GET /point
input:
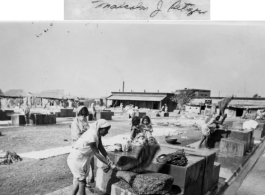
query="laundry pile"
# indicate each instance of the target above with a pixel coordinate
(139, 163)
(169, 124)
(177, 158)
(7, 157)
(141, 139)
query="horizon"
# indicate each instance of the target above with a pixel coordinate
(92, 59)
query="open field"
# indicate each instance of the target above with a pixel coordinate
(48, 175)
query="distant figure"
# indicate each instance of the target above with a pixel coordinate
(164, 108)
(210, 125)
(121, 106)
(131, 112)
(245, 113)
(70, 104)
(26, 110)
(94, 111)
(260, 114)
(79, 124)
(135, 129)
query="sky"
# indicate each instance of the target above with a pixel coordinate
(92, 59)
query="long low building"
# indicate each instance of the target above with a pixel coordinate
(236, 106)
(143, 100)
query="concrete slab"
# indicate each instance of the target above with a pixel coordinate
(225, 173)
(254, 182)
(191, 178)
(232, 147)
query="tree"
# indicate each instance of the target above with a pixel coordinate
(255, 96)
(183, 97)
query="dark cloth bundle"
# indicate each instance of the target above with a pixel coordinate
(223, 104)
(7, 157)
(143, 160)
(177, 158)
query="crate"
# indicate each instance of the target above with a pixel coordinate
(245, 135)
(104, 115)
(18, 120)
(259, 132)
(189, 178)
(232, 147)
(216, 172)
(46, 119)
(121, 188)
(36, 119)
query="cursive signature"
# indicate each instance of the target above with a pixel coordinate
(158, 9)
(103, 5)
(188, 7)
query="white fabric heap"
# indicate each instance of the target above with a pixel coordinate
(251, 124)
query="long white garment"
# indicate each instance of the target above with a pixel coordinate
(81, 154)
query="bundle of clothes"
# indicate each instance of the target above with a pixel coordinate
(177, 158)
(7, 157)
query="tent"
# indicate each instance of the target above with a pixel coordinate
(17, 93)
(54, 94)
(1, 93)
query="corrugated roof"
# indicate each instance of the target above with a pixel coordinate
(17, 93)
(234, 102)
(139, 97)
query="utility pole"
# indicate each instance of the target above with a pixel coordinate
(123, 86)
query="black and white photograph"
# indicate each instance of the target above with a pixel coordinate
(132, 107)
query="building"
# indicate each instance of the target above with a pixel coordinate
(200, 93)
(143, 100)
(236, 107)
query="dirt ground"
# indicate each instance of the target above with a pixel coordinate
(45, 176)
(35, 176)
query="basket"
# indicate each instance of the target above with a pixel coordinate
(171, 139)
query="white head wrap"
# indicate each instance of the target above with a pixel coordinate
(101, 123)
(79, 109)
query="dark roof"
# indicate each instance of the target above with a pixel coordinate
(138, 96)
(145, 93)
(194, 89)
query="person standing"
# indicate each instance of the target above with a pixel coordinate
(87, 146)
(26, 110)
(79, 124)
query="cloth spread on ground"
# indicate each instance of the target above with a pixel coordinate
(48, 153)
(7, 157)
(251, 124)
(177, 158)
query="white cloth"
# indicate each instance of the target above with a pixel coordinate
(81, 154)
(205, 130)
(251, 124)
